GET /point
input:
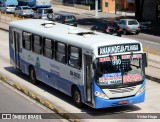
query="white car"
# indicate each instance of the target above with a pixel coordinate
(8, 9)
(43, 13)
(23, 11)
(129, 26)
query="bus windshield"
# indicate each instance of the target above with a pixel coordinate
(120, 69)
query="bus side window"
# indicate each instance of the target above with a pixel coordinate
(27, 40)
(74, 57)
(61, 52)
(37, 44)
(48, 50)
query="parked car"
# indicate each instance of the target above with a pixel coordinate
(145, 25)
(43, 13)
(23, 11)
(8, 6)
(8, 9)
(108, 27)
(129, 26)
(67, 19)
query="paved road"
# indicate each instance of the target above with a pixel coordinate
(150, 41)
(63, 101)
(12, 101)
(86, 19)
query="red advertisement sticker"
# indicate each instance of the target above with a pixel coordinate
(107, 59)
(131, 78)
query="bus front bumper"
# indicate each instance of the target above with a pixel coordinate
(105, 103)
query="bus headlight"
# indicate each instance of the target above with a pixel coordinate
(101, 95)
(141, 90)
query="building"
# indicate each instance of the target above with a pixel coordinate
(113, 6)
(151, 10)
(148, 9)
(84, 3)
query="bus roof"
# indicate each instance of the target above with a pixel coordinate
(66, 34)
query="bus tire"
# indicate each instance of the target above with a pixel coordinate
(32, 75)
(76, 96)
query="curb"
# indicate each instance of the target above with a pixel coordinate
(46, 103)
(153, 78)
(4, 29)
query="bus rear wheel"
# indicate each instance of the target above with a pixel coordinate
(32, 75)
(76, 96)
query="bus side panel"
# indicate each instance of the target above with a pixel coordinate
(48, 78)
(57, 82)
(52, 72)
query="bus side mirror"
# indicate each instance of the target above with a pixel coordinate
(144, 58)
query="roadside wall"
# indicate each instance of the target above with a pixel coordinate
(108, 6)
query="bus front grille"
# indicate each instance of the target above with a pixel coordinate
(122, 90)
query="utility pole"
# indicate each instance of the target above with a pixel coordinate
(96, 8)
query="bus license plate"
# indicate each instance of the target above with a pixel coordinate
(123, 102)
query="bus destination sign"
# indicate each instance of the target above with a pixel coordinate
(118, 49)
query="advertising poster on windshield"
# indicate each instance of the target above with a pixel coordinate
(131, 78)
(112, 78)
(120, 69)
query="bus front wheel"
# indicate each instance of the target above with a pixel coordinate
(76, 96)
(32, 75)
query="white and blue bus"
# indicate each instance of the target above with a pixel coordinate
(93, 68)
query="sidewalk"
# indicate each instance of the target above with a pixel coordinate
(88, 13)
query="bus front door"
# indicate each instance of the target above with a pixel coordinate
(17, 37)
(88, 79)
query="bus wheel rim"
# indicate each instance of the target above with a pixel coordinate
(77, 97)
